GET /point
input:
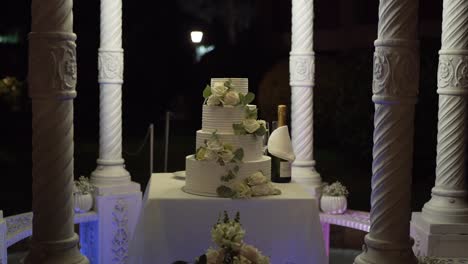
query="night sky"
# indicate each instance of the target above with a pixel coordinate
(251, 39)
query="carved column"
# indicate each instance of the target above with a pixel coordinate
(449, 202)
(52, 79)
(111, 168)
(395, 88)
(117, 198)
(302, 69)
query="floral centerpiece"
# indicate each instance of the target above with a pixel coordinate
(82, 194)
(224, 94)
(333, 200)
(228, 235)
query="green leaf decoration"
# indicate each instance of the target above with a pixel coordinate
(228, 177)
(226, 217)
(224, 191)
(220, 162)
(239, 129)
(241, 98)
(239, 154)
(200, 153)
(236, 169)
(207, 92)
(261, 131)
(249, 97)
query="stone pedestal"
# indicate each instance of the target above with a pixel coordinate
(439, 239)
(107, 240)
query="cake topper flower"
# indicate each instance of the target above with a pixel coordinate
(225, 94)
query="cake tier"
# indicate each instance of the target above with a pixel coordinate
(220, 119)
(204, 177)
(239, 84)
(251, 144)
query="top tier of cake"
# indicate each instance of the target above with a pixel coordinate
(239, 84)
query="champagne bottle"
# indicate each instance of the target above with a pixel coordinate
(280, 168)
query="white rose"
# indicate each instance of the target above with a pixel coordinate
(214, 145)
(213, 100)
(211, 256)
(231, 98)
(227, 155)
(210, 155)
(218, 89)
(262, 123)
(250, 125)
(256, 179)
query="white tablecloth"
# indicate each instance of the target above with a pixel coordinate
(175, 225)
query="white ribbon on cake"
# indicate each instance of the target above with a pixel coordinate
(280, 145)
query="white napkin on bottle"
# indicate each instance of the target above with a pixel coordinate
(279, 144)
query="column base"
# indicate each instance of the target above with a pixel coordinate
(56, 252)
(305, 172)
(379, 252)
(118, 208)
(438, 239)
(446, 206)
(110, 173)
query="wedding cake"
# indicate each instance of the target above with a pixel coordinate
(229, 159)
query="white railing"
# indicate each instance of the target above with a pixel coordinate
(18, 227)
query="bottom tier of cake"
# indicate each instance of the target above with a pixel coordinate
(204, 177)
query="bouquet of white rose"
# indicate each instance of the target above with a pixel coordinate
(228, 235)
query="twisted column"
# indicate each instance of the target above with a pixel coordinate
(111, 168)
(52, 78)
(448, 203)
(302, 69)
(395, 88)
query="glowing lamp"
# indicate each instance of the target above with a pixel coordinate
(196, 36)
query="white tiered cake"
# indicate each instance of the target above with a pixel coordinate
(226, 159)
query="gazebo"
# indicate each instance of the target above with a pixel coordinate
(395, 234)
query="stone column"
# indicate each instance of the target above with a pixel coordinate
(441, 228)
(111, 168)
(449, 202)
(52, 80)
(117, 198)
(395, 88)
(302, 69)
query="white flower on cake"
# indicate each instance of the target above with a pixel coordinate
(225, 94)
(241, 191)
(213, 100)
(227, 155)
(256, 179)
(231, 98)
(254, 185)
(214, 144)
(214, 150)
(250, 125)
(219, 89)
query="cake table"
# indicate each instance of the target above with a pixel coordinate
(175, 225)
